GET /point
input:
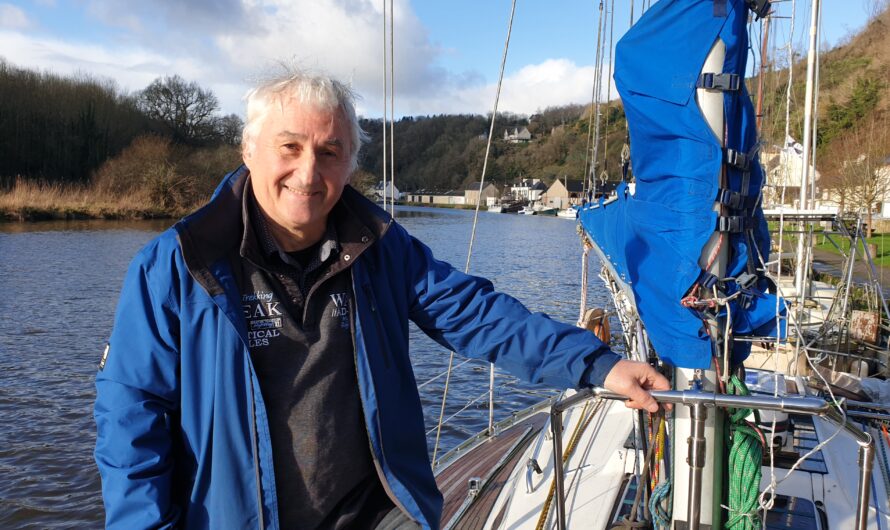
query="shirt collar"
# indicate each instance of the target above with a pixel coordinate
(258, 244)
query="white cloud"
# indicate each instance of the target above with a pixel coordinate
(532, 88)
(342, 37)
(222, 49)
(12, 17)
(131, 68)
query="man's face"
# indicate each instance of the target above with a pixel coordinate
(299, 163)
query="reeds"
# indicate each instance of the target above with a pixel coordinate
(33, 201)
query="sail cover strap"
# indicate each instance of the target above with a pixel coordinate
(718, 81)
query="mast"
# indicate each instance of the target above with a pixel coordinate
(764, 51)
(803, 252)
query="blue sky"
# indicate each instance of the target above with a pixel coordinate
(447, 52)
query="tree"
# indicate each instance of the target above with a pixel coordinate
(227, 129)
(859, 170)
(183, 108)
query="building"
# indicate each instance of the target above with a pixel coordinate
(471, 192)
(783, 168)
(391, 191)
(450, 198)
(425, 197)
(528, 190)
(563, 193)
(517, 136)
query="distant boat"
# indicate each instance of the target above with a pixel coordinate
(507, 206)
(540, 209)
(527, 210)
(568, 213)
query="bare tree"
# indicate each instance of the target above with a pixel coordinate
(860, 172)
(184, 108)
(228, 129)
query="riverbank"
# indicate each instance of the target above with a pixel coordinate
(29, 201)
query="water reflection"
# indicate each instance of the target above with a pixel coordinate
(61, 281)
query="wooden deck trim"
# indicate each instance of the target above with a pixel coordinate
(493, 460)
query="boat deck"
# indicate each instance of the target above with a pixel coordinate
(491, 462)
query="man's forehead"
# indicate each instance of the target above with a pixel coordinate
(286, 134)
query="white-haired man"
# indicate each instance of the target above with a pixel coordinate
(258, 372)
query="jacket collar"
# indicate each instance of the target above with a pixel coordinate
(215, 230)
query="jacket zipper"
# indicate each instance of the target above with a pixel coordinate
(256, 452)
(384, 344)
(377, 467)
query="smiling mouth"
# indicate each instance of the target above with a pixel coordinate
(299, 192)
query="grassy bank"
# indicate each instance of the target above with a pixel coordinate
(30, 201)
(881, 249)
(439, 205)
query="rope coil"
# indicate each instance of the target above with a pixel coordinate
(745, 460)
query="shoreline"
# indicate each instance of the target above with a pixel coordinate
(34, 214)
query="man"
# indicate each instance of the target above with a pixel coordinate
(258, 372)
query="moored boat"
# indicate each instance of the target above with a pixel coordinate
(686, 259)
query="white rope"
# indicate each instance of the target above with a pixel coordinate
(585, 267)
(494, 114)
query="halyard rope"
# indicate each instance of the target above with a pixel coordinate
(587, 415)
(494, 114)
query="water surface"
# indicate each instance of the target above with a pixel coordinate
(60, 282)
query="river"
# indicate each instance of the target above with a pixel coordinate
(60, 282)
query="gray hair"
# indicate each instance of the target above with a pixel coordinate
(318, 90)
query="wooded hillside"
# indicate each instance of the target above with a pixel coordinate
(80, 130)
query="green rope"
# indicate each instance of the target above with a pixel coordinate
(745, 460)
(661, 518)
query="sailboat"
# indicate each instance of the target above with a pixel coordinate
(688, 261)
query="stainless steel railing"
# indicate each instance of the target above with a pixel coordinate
(698, 402)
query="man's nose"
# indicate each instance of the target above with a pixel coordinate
(306, 169)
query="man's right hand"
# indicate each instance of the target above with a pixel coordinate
(634, 379)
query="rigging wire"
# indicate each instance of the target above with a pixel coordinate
(392, 111)
(605, 172)
(494, 114)
(385, 110)
(600, 38)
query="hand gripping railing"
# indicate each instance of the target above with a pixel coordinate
(697, 403)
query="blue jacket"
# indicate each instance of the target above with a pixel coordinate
(183, 438)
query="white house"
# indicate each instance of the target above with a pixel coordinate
(517, 136)
(391, 191)
(528, 190)
(783, 168)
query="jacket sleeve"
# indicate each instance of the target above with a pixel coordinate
(137, 390)
(466, 314)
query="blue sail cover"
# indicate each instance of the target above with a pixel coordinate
(654, 238)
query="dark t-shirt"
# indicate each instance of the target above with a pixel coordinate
(299, 309)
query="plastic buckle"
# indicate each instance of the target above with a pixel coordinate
(731, 223)
(745, 280)
(737, 159)
(730, 198)
(718, 81)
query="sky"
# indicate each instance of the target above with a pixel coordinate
(447, 52)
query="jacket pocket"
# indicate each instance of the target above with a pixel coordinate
(382, 341)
